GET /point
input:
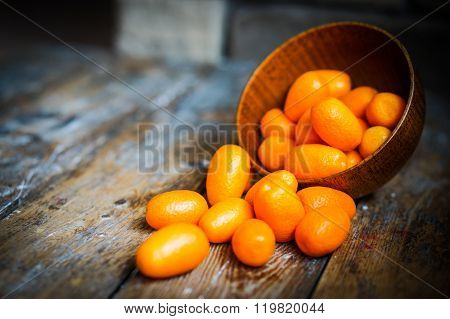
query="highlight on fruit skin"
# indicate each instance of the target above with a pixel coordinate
(221, 220)
(228, 173)
(172, 250)
(175, 207)
(253, 243)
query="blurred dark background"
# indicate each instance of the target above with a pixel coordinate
(208, 31)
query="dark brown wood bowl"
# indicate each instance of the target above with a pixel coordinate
(371, 56)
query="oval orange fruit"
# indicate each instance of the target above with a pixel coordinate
(175, 207)
(305, 134)
(221, 220)
(322, 231)
(172, 250)
(336, 124)
(253, 242)
(313, 86)
(372, 139)
(385, 109)
(364, 125)
(273, 151)
(337, 83)
(358, 99)
(228, 173)
(305, 92)
(315, 161)
(280, 208)
(275, 123)
(279, 177)
(318, 196)
(353, 158)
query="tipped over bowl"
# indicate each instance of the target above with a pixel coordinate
(371, 56)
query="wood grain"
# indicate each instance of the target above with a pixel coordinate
(49, 135)
(87, 189)
(371, 57)
(288, 274)
(75, 229)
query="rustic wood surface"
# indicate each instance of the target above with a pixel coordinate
(72, 199)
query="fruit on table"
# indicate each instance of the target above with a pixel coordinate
(315, 161)
(318, 196)
(282, 177)
(353, 158)
(175, 207)
(221, 220)
(275, 123)
(228, 173)
(325, 129)
(372, 139)
(336, 124)
(273, 151)
(385, 109)
(358, 99)
(280, 208)
(253, 242)
(311, 87)
(172, 250)
(322, 230)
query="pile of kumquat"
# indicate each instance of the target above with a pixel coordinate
(326, 123)
(326, 127)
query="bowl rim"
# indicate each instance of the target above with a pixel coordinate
(267, 59)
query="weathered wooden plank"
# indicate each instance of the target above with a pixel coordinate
(78, 238)
(399, 244)
(51, 134)
(221, 275)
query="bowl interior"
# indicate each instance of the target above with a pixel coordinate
(368, 54)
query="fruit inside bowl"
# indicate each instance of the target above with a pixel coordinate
(339, 106)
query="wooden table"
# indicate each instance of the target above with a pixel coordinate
(73, 201)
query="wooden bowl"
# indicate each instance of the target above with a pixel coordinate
(371, 56)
